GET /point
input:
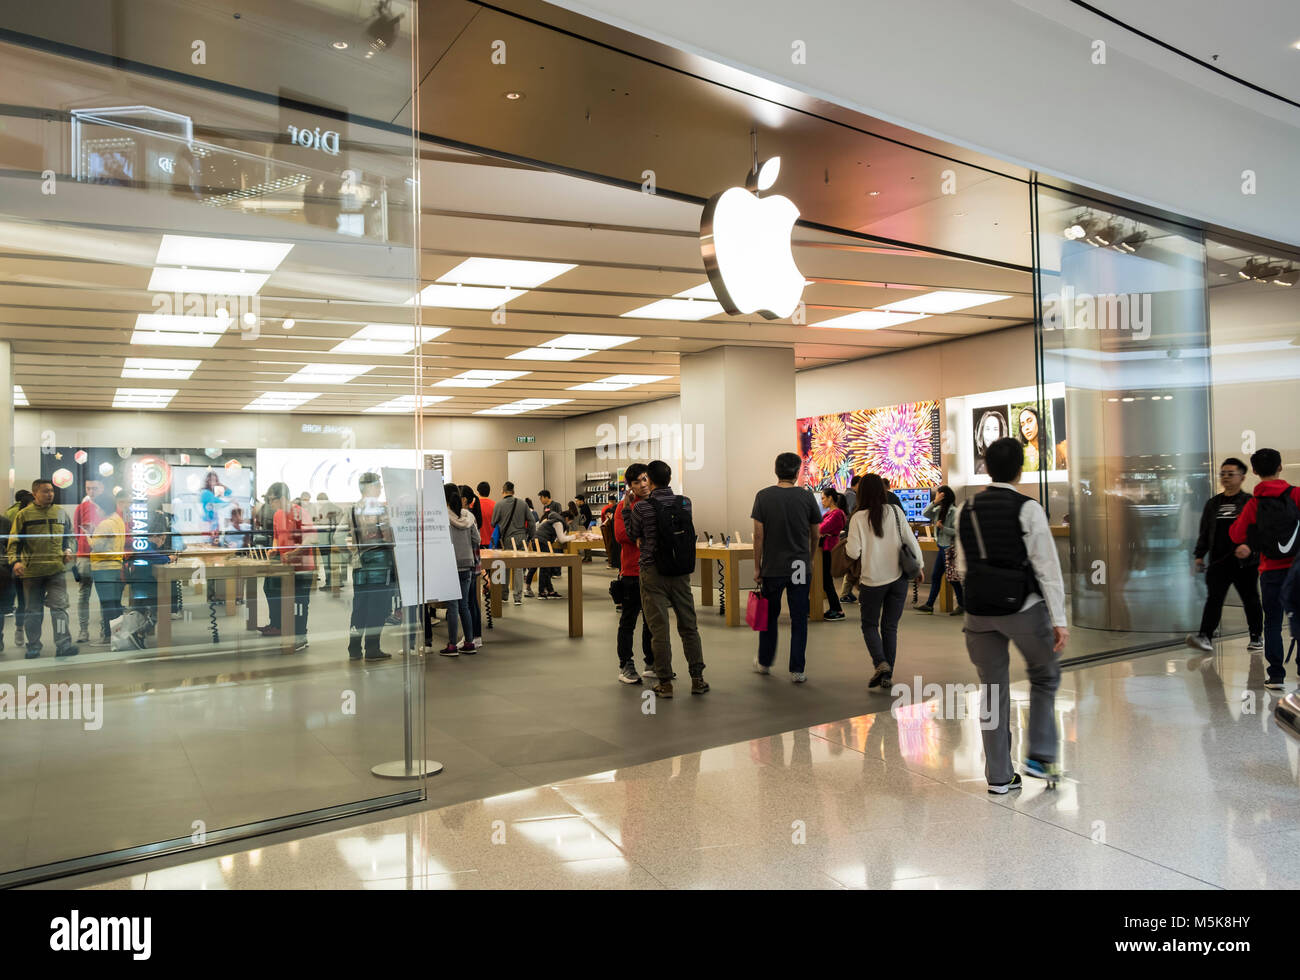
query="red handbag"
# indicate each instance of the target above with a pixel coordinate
(756, 611)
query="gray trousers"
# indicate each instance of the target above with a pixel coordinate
(659, 593)
(986, 644)
(84, 588)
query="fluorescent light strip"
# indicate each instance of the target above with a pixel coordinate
(158, 367)
(221, 253)
(279, 401)
(515, 273)
(387, 338)
(329, 374)
(178, 330)
(570, 347)
(942, 301)
(407, 403)
(143, 397)
(676, 309)
(478, 379)
(523, 405)
(465, 297)
(868, 320)
(214, 282)
(618, 382)
(20, 399)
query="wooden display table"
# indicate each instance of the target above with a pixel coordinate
(946, 596)
(233, 571)
(588, 541)
(496, 560)
(729, 558)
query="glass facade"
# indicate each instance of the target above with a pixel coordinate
(208, 230)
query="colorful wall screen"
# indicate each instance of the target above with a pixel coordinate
(899, 442)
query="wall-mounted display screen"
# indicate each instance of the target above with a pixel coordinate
(900, 443)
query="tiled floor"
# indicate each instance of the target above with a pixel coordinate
(1176, 778)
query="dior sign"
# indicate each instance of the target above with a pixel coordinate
(314, 139)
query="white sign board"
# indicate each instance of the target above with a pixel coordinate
(413, 518)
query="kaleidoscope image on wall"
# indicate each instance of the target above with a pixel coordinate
(899, 442)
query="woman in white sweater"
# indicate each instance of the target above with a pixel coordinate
(877, 532)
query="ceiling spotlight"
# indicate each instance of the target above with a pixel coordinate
(1074, 232)
(1288, 277)
(1260, 269)
(1107, 235)
(873, 193)
(514, 96)
(339, 45)
(382, 31)
(250, 318)
(222, 314)
(288, 324)
(1133, 241)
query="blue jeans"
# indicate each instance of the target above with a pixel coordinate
(458, 614)
(773, 586)
(882, 608)
(936, 579)
(108, 586)
(1270, 588)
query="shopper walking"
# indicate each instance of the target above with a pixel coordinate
(510, 518)
(629, 580)
(940, 511)
(465, 542)
(107, 550)
(84, 520)
(787, 525)
(850, 508)
(1273, 514)
(662, 527)
(1007, 561)
(1224, 569)
(41, 545)
(550, 533)
(486, 506)
(373, 572)
(533, 521)
(11, 589)
(878, 538)
(833, 525)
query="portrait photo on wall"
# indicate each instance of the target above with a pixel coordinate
(1034, 434)
(900, 443)
(989, 424)
(1058, 432)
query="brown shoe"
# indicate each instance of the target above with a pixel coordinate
(699, 685)
(664, 689)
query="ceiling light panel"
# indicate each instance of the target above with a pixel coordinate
(386, 338)
(523, 405)
(942, 301)
(178, 330)
(505, 272)
(619, 382)
(159, 367)
(328, 374)
(280, 401)
(222, 253)
(466, 297)
(478, 379)
(143, 397)
(676, 309)
(217, 282)
(868, 320)
(20, 399)
(407, 403)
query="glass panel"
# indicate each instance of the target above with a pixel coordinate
(1124, 333)
(208, 251)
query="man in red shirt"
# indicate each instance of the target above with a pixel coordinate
(629, 555)
(84, 521)
(485, 502)
(1271, 522)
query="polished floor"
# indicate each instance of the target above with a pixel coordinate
(225, 735)
(1176, 778)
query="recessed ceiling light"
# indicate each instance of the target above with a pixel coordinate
(868, 320)
(288, 324)
(407, 403)
(143, 397)
(217, 282)
(158, 367)
(874, 193)
(619, 382)
(177, 330)
(942, 301)
(514, 96)
(515, 273)
(570, 347)
(20, 399)
(329, 374)
(466, 297)
(523, 405)
(478, 379)
(696, 303)
(221, 253)
(279, 401)
(339, 45)
(386, 338)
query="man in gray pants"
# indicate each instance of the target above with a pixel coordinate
(511, 516)
(1014, 592)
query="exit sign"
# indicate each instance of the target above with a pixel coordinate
(525, 438)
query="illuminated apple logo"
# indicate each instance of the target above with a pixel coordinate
(745, 241)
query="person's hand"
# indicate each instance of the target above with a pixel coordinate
(67, 555)
(758, 581)
(1062, 636)
(1200, 565)
(18, 569)
(1243, 551)
(920, 577)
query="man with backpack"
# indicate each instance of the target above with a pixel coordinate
(628, 584)
(1224, 570)
(1271, 520)
(1007, 562)
(510, 517)
(662, 527)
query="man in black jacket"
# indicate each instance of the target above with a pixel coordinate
(1223, 568)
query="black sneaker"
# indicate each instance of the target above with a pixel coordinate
(847, 597)
(378, 655)
(882, 671)
(833, 616)
(925, 608)
(69, 651)
(1001, 789)
(1256, 644)
(1268, 685)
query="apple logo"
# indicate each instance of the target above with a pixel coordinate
(745, 241)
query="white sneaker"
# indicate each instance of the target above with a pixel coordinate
(798, 678)
(649, 672)
(627, 674)
(1198, 642)
(518, 601)
(760, 669)
(478, 642)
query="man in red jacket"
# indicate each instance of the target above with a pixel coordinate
(1271, 521)
(638, 488)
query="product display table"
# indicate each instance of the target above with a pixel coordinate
(211, 556)
(233, 571)
(587, 541)
(495, 560)
(729, 558)
(929, 547)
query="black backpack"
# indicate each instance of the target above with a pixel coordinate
(674, 537)
(1277, 526)
(996, 585)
